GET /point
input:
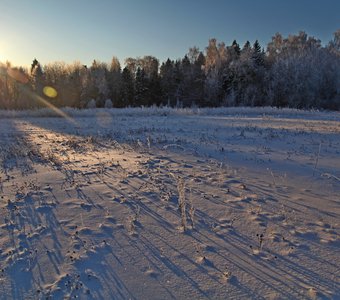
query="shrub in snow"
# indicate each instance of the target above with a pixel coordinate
(108, 103)
(91, 104)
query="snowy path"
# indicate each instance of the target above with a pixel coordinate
(92, 209)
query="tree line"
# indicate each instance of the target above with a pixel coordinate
(295, 71)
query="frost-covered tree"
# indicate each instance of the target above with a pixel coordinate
(114, 80)
(91, 104)
(99, 75)
(108, 103)
(334, 45)
(295, 70)
(214, 63)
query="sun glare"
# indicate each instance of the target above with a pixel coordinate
(50, 92)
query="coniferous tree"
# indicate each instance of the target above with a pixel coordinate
(258, 54)
(167, 82)
(141, 88)
(170, 82)
(154, 90)
(150, 66)
(127, 90)
(37, 81)
(236, 48)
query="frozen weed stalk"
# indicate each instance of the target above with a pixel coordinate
(260, 239)
(317, 160)
(191, 210)
(273, 177)
(134, 220)
(181, 200)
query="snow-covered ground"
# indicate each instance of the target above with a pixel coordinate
(159, 203)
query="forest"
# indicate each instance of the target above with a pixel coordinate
(296, 71)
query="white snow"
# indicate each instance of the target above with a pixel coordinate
(93, 206)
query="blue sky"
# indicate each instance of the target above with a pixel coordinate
(69, 30)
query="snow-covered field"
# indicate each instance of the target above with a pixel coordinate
(170, 204)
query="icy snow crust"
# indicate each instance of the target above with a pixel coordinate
(164, 203)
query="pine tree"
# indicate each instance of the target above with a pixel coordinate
(127, 90)
(37, 81)
(236, 48)
(141, 88)
(258, 54)
(168, 83)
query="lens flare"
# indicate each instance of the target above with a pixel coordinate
(50, 92)
(104, 119)
(47, 104)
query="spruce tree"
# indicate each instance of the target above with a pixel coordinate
(236, 48)
(127, 90)
(258, 54)
(141, 88)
